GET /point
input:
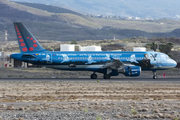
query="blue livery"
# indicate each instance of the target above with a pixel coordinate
(106, 62)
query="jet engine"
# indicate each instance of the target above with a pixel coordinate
(131, 71)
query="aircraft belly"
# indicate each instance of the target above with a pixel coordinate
(78, 67)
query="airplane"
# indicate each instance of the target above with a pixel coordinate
(109, 63)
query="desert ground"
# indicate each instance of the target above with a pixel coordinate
(89, 100)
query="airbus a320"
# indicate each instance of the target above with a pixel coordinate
(109, 63)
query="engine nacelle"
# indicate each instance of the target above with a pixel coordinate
(131, 71)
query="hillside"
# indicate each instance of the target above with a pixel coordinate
(124, 8)
(50, 8)
(66, 25)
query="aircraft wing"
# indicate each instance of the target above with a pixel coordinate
(113, 64)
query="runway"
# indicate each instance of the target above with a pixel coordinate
(88, 79)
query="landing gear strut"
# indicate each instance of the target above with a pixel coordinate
(94, 76)
(154, 75)
(107, 76)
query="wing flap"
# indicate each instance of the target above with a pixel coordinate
(113, 64)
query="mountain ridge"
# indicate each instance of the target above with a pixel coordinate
(125, 8)
(46, 25)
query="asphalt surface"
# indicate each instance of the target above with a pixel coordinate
(88, 79)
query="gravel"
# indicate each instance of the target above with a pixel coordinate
(86, 111)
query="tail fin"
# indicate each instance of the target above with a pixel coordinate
(27, 42)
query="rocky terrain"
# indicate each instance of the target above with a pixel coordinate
(107, 100)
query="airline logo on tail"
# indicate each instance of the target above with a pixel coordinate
(27, 42)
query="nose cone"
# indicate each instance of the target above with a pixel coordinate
(174, 63)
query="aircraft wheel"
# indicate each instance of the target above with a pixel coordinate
(155, 77)
(107, 76)
(93, 76)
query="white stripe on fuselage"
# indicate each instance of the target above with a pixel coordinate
(77, 67)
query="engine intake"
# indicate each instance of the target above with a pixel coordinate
(131, 71)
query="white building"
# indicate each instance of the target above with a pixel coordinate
(91, 48)
(139, 49)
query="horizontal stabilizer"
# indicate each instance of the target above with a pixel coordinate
(28, 56)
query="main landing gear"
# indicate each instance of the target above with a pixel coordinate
(94, 76)
(154, 75)
(107, 76)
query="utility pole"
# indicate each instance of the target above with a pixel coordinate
(6, 36)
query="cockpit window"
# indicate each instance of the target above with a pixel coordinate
(165, 57)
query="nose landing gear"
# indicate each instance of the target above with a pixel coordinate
(154, 74)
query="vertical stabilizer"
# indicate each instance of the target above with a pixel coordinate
(27, 42)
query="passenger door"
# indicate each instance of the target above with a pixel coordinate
(49, 58)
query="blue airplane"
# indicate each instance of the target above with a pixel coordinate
(106, 62)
